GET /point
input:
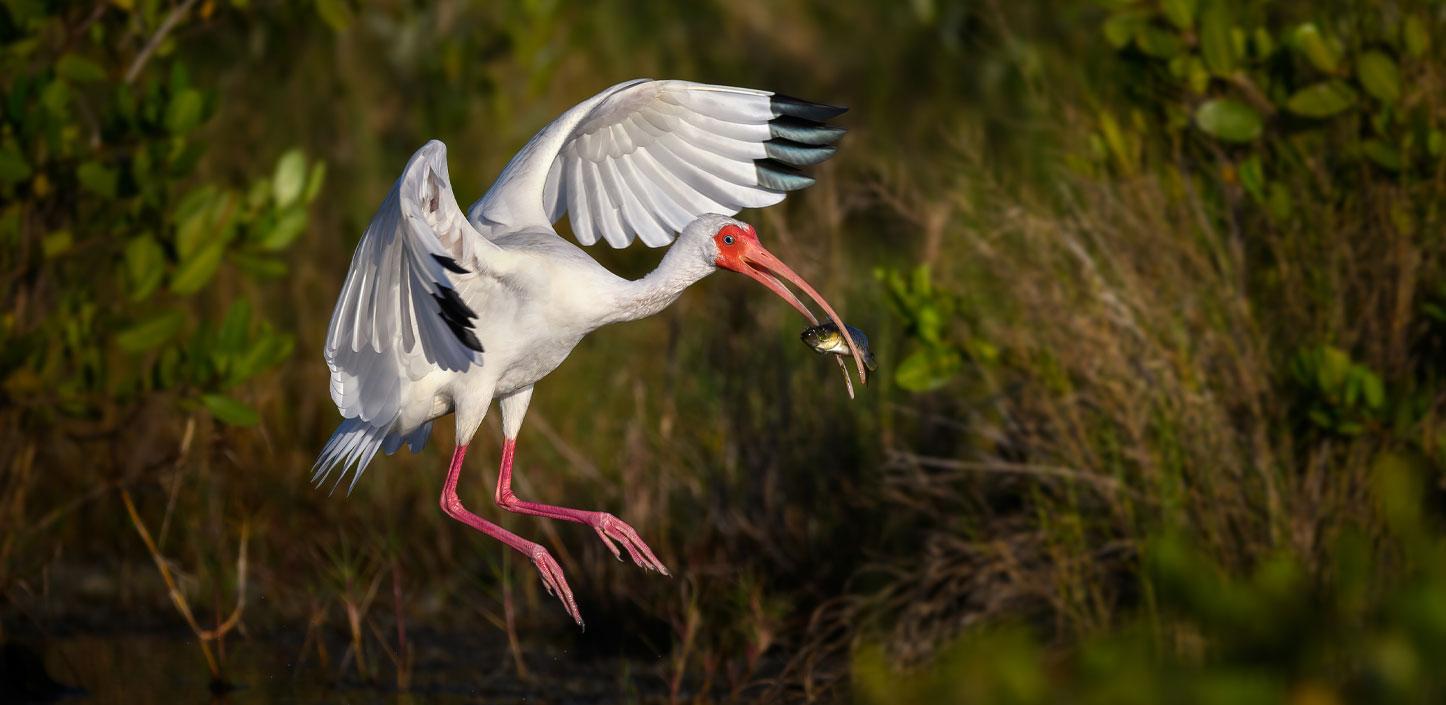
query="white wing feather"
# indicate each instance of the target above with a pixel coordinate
(644, 158)
(399, 317)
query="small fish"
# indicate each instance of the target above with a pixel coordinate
(826, 339)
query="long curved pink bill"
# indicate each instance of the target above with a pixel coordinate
(771, 268)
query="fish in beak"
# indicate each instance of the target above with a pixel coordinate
(740, 251)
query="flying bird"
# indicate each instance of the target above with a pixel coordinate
(443, 312)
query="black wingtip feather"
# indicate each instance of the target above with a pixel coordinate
(458, 317)
(778, 176)
(453, 305)
(450, 264)
(797, 153)
(797, 107)
(465, 335)
(804, 131)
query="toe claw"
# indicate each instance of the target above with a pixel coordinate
(555, 583)
(609, 528)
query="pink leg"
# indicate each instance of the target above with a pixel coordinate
(607, 526)
(551, 572)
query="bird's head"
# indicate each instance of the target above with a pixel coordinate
(733, 245)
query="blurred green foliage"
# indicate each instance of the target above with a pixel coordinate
(1343, 396)
(109, 234)
(1370, 628)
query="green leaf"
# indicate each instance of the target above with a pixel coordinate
(184, 112)
(1229, 120)
(145, 266)
(1383, 154)
(1181, 13)
(79, 69)
(97, 179)
(258, 194)
(1321, 100)
(1378, 75)
(1120, 27)
(230, 411)
(1333, 364)
(195, 272)
(13, 168)
(928, 368)
(1158, 43)
(1252, 177)
(56, 97)
(150, 332)
(314, 181)
(259, 266)
(268, 350)
(289, 179)
(1216, 45)
(191, 215)
(1372, 389)
(231, 336)
(204, 215)
(1279, 202)
(1196, 75)
(1415, 36)
(1316, 47)
(1263, 43)
(336, 13)
(288, 226)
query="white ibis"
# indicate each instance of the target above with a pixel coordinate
(444, 313)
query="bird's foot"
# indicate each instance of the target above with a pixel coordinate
(610, 528)
(555, 583)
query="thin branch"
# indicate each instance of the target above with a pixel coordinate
(168, 24)
(1102, 482)
(175, 592)
(235, 618)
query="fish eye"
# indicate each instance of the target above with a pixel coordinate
(727, 239)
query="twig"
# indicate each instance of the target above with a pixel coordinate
(355, 612)
(175, 592)
(1002, 468)
(168, 24)
(235, 618)
(186, 438)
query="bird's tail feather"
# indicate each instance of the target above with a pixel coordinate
(414, 440)
(353, 443)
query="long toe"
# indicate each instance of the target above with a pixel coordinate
(556, 584)
(611, 528)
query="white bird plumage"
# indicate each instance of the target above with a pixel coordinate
(442, 312)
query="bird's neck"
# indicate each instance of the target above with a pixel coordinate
(654, 292)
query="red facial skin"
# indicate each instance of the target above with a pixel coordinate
(740, 251)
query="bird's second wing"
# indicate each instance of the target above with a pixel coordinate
(645, 158)
(399, 316)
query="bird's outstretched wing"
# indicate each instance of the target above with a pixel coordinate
(399, 315)
(644, 158)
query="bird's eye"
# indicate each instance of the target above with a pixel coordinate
(727, 239)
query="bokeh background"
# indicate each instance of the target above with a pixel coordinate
(1158, 289)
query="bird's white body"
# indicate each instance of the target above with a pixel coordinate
(523, 338)
(444, 313)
